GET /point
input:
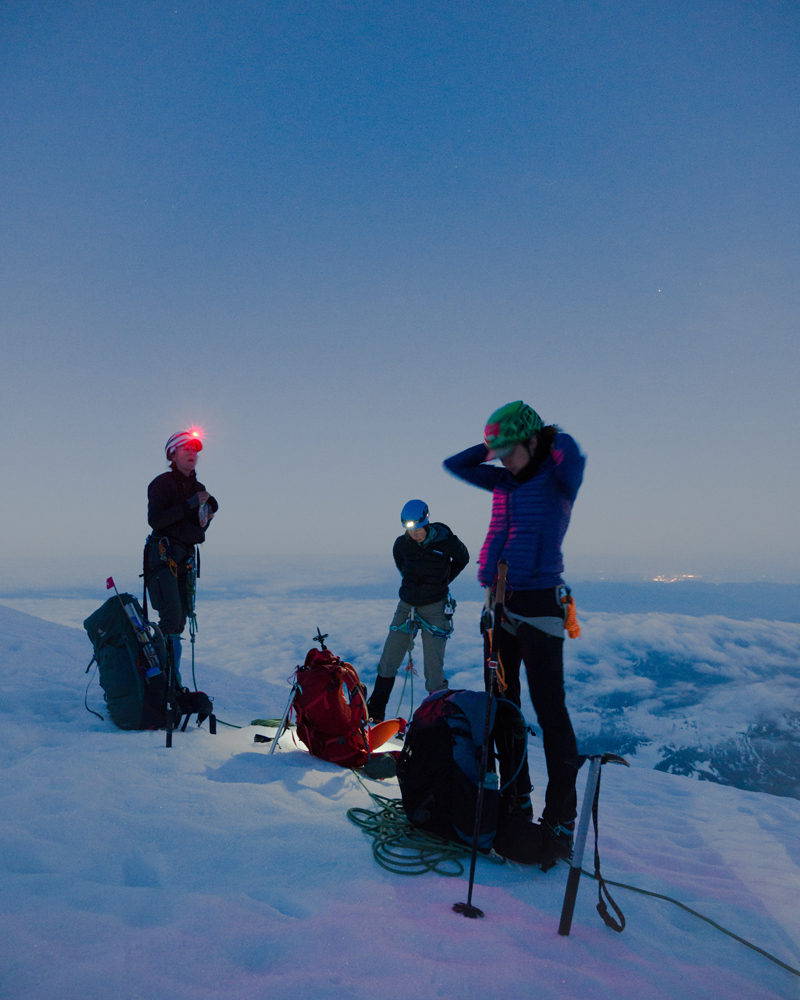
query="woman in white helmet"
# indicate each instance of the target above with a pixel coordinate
(179, 509)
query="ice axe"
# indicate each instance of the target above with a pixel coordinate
(591, 797)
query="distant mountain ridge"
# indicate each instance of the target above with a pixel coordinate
(371, 578)
(743, 601)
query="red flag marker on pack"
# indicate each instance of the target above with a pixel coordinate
(110, 583)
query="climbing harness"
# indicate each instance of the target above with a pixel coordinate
(415, 623)
(411, 626)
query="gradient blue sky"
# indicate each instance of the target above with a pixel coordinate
(338, 235)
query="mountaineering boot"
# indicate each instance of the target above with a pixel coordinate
(523, 808)
(556, 843)
(186, 702)
(376, 706)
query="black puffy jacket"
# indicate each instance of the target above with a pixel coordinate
(429, 567)
(172, 507)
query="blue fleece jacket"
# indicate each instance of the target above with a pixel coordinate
(530, 516)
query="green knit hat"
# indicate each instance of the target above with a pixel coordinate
(511, 425)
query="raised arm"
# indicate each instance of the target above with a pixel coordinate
(569, 463)
(470, 466)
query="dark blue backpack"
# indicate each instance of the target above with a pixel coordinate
(438, 772)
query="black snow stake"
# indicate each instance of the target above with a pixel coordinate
(467, 908)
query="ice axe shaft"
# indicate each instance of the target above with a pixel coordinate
(589, 799)
(580, 844)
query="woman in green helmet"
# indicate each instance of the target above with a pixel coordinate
(532, 498)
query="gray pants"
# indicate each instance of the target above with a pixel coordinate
(168, 593)
(397, 643)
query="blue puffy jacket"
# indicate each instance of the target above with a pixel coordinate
(530, 514)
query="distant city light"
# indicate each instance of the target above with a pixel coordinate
(676, 579)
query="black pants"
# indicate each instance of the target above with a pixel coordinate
(168, 592)
(542, 655)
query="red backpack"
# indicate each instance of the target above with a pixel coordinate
(331, 709)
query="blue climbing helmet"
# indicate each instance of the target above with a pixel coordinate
(414, 514)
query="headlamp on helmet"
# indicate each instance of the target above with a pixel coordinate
(414, 515)
(190, 438)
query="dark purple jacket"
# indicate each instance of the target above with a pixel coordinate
(530, 514)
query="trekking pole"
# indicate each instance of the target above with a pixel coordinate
(467, 908)
(412, 637)
(170, 716)
(589, 803)
(295, 688)
(411, 628)
(191, 593)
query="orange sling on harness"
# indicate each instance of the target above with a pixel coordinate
(571, 623)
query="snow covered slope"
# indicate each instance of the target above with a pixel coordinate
(706, 696)
(213, 870)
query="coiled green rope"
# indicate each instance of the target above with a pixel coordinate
(400, 847)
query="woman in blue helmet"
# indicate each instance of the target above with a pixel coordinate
(429, 557)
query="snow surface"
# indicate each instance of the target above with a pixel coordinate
(706, 696)
(215, 870)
